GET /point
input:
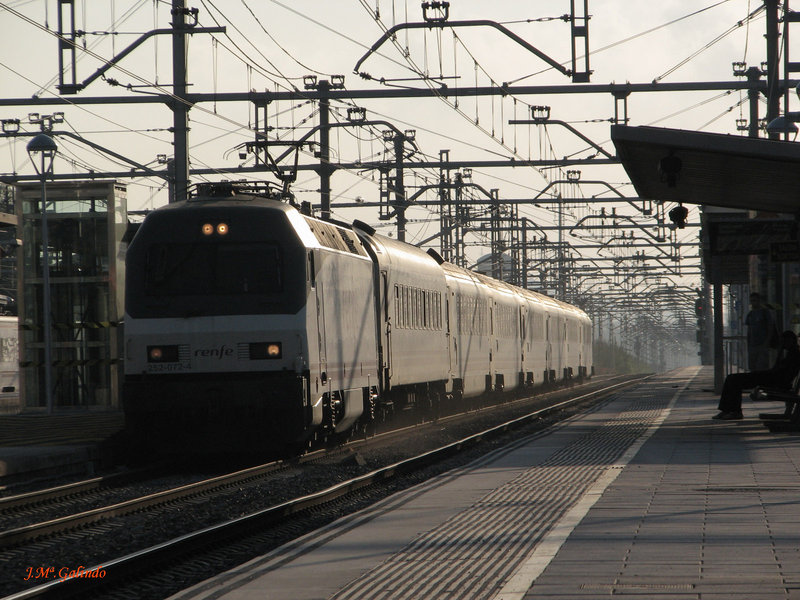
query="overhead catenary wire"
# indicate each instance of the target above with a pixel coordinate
(669, 116)
(453, 105)
(596, 51)
(240, 49)
(291, 55)
(231, 121)
(128, 14)
(357, 135)
(129, 73)
(94, 114)
(708, 45)
(334, 31)
(254, 63)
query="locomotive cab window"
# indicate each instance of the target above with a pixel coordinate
(213, 268)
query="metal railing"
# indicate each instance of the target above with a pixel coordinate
(735, 353)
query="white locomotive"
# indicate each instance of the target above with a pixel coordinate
(251, 325)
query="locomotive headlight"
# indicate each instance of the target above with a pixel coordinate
(222, 228)
(208, 229)
(265, 350)
(162, 354)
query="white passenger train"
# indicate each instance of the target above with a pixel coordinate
(249, 324)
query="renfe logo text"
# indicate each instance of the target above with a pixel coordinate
(222, 351)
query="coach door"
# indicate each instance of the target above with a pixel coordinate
(548, 355)
(385, 331)
(448, 334)
(323, 355)
(493, 346)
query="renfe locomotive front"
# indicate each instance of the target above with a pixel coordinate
(251, 325)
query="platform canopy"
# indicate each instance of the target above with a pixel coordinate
(710, 168)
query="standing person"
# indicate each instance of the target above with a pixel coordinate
(760, 329)
(780, 376)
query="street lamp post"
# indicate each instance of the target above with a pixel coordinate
(46, 148)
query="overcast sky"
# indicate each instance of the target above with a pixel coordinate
(272, 44)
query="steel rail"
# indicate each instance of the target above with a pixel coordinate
(140, 561)
(12, 537)
(30, 499)
(76, 488)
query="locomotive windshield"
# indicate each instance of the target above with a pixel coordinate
(238, 268)
(250, 262)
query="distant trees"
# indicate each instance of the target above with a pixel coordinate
(609, 358)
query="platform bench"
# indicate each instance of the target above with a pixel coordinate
(789, 419)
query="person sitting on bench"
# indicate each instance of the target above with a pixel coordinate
(780, 376)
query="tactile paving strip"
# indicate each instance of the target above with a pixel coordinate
(471, 554)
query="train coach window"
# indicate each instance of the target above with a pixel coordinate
(416, 308)
(412, 309)
(225, 268)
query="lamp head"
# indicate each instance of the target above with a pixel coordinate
(781, 125)
(46, 146)
(678, 215)
(42, 143)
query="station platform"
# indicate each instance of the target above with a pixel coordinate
(36, 445)
(644, 497)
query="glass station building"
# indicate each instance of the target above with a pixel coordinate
(86, 224)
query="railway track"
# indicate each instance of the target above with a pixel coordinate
(94, 490)
(143, 563)
(12, 537)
